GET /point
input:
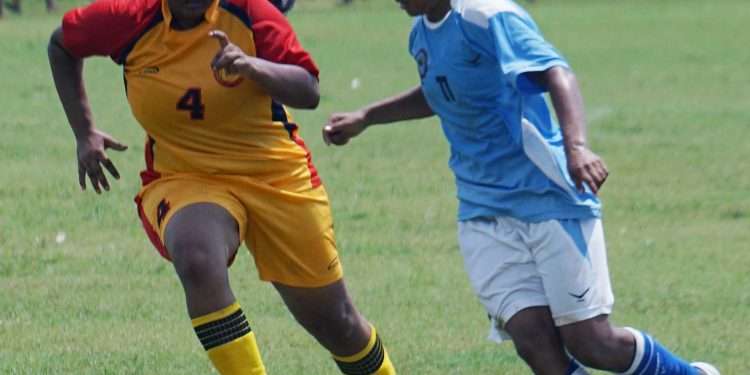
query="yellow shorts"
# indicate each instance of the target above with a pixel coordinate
(290, 234)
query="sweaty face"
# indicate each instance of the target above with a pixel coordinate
(189, 10)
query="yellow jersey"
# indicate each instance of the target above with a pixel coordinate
(198, 121)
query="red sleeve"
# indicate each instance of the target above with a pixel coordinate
(107, 27)
(274, 37)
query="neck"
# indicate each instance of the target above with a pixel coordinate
(438, 12)
(185, 24)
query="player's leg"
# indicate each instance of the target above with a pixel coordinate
(598, 344)
(538, 342)
(501, 269)
(571, 257)
(290, 233)
(201, 239)
(201, 224)
(329, 315)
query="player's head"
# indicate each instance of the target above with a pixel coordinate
(283, 5)
(189, 9)
(417, 7)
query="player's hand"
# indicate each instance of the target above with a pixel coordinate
(231, 58)
(341, 127)
(585, 167)
(92, 156)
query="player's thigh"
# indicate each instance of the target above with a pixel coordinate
(500, 268)
(181, 212)
(202, 229)
(571, 258)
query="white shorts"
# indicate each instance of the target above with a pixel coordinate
(513, 265)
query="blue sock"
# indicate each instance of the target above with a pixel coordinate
(653, 359)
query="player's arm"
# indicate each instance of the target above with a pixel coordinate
(67, 72)
(584, 166)
(290, 84)
(409, 105)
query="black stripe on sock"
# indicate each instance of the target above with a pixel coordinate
(213, 328)
(368, 364)
(222, 331)
(221, 321)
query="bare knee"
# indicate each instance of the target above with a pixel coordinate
(533, 346)
(200, 239)
(194, 262)
(537, 341)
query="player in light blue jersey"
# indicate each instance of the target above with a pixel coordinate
(529, 223)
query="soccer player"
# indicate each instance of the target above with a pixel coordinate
(208, 81)
(529, 223)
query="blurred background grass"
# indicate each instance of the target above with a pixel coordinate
(667, 95)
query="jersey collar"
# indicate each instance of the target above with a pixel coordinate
(435, 25)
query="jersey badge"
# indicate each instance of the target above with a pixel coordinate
(421, 58)
(227, 80)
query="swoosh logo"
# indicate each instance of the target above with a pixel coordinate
(580, 296)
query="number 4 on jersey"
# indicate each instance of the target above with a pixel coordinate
(192, 102)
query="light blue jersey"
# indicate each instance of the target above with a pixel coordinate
(506, 148)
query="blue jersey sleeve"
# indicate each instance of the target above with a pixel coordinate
(518, 46)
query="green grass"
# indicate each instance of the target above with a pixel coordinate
(667, 93)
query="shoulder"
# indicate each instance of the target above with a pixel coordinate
(124, 10)
(479, 12)
(105, 27)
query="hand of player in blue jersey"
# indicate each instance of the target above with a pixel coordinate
(341, 127)
(92, 156)
(231, 58)
(586, 167)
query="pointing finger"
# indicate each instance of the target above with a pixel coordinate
(220, 36)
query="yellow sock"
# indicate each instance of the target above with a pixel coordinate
(229, 342)
(372, 360)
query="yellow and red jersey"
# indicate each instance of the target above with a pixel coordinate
(198, 121)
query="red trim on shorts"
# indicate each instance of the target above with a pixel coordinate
(152, 234)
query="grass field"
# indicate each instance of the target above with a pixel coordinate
(668, 97)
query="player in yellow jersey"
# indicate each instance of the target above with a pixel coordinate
(208, 81)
